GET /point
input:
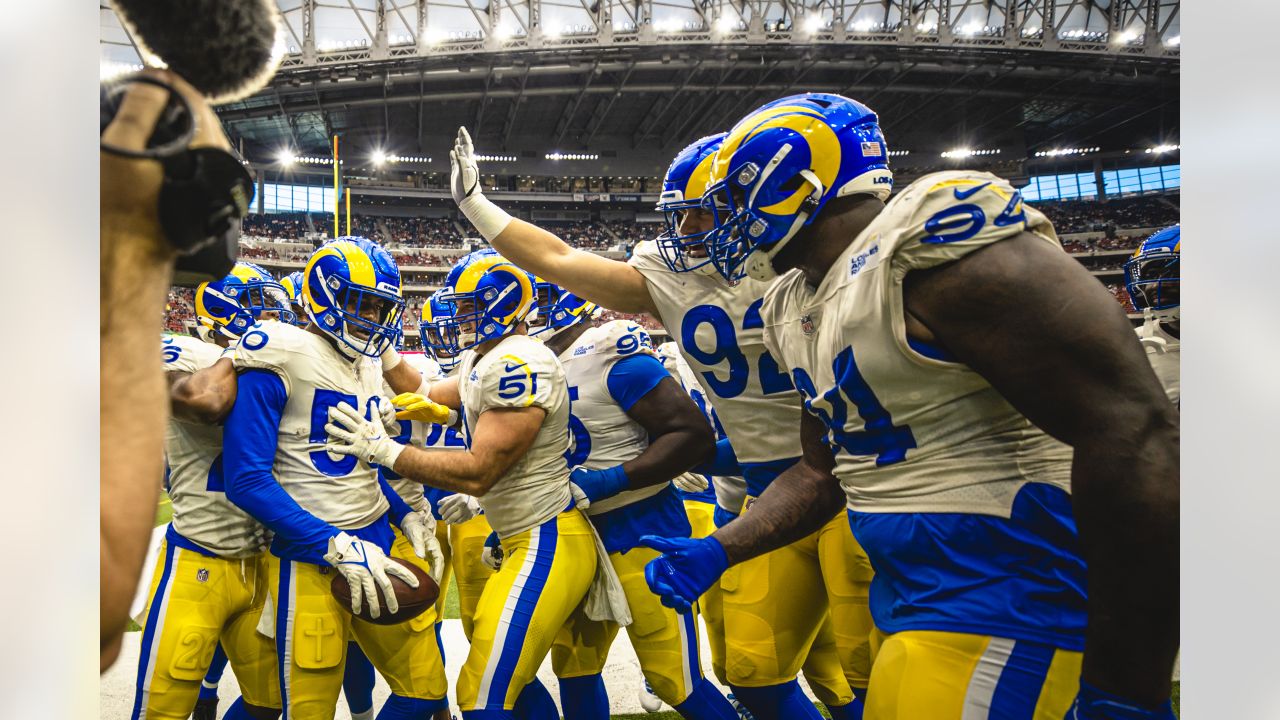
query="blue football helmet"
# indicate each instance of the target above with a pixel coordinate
(1152, 275)
(439, 332)
(490, 297)
(682, 191)
(779, 166)
(230, 306)
(557, 309)
(351, 291)
(292, 284)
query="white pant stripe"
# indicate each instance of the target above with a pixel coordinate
(287, 661)
(986, 676)
(504, 622)
(686, 653)
(156, 633)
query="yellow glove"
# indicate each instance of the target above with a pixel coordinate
(413, 406)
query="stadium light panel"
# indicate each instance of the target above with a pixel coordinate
(863, 25)
(287, 158)
(970, 29)
(813, 24)
(726, 23)
(379, 158)
(432, 36)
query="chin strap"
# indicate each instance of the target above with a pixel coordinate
(760, 262)
(1148, 336)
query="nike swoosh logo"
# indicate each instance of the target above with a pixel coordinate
(964, 194)
(511, 367)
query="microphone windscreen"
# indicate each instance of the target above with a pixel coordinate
(226, 49)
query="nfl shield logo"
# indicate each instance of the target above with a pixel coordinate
(806, 324)
(202, 575)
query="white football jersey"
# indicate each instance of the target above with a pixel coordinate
(601, 434)
(338, 489)
(1165, 359)
(193, 452)
(521, 372)
(730, 491)
(420, 434)
(913, 431)
(719, 330)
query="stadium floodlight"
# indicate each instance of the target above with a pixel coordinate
(1157, 150)
(1128, 36)
(970, 29)
(899, 153)
(961, 153)
(287, 158)
(432, 36)
(553, 31)
(1174, 41)
(813, 23)
(863, 25)
(379, 158)
(726, 23)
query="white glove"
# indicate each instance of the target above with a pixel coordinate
(580, 498)
(390, 422)
(464, 182)
(690, 482)
(459, 508)
(365, 568)
(419, 527)
(464, 174)
(351, 434)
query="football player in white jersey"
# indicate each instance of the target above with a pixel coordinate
(1152, 277)
(329, 511)
(952, 357)
(774, 605)
(515, 405)
(205, 589)
(632, 429)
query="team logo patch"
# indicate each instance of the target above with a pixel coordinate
(871, 149)
(862, 260)
(202, 575)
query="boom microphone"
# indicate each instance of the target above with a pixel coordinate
(226, 49)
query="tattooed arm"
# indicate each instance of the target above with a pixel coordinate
(797, 503)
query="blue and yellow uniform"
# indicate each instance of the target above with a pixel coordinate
(279, 471)
(550, 548)
(209, 584)
(609, 368)
(963, 505)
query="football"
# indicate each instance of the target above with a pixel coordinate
(413, 601)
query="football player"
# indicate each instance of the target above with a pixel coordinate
(292, 284)
(205, 593)
(976, 394)
(514, 400)
(773, 605)
(330, 512)
(1152, 278)
(631, 429)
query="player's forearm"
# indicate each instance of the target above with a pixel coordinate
(797, 503)
(1126, 498)
(667, 456)
(450, 470)
(205, 396)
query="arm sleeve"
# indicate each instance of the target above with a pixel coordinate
(725, 463)
(249, 451)
(399, 508)
(632, 377)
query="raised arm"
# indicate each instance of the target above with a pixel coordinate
(608, 283)
(1050, 338)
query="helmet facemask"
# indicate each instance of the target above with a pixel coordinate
(1154, 283)
(350, 303)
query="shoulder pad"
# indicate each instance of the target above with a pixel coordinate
(645, 256)
(943, 216)
(270, 346)
(183, 353)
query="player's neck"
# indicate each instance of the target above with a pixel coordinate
(822, 242)
(492, 343)
(564, 340)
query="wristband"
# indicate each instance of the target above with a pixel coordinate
(391, 359)
(489, 219)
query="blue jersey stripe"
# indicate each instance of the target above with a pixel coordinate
(149, 633)
(1022, 680)
(526, 604)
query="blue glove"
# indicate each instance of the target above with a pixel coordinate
(1094, 704)
(685, 570)
(599, 484)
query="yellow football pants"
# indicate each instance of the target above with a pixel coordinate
(711, 604)
(311, 641)
(195, 602)
(446, 575)
(466, 542)
(545, 575)
(955, 676)
(666, 642)
(775, 605)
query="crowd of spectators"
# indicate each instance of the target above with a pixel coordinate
(276, 225)
(179, 310)
(1072, 216)
(425, 260)
(1118, 242)
(420, 232)
(589, 235)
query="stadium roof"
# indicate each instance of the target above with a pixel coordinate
(642, 78)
